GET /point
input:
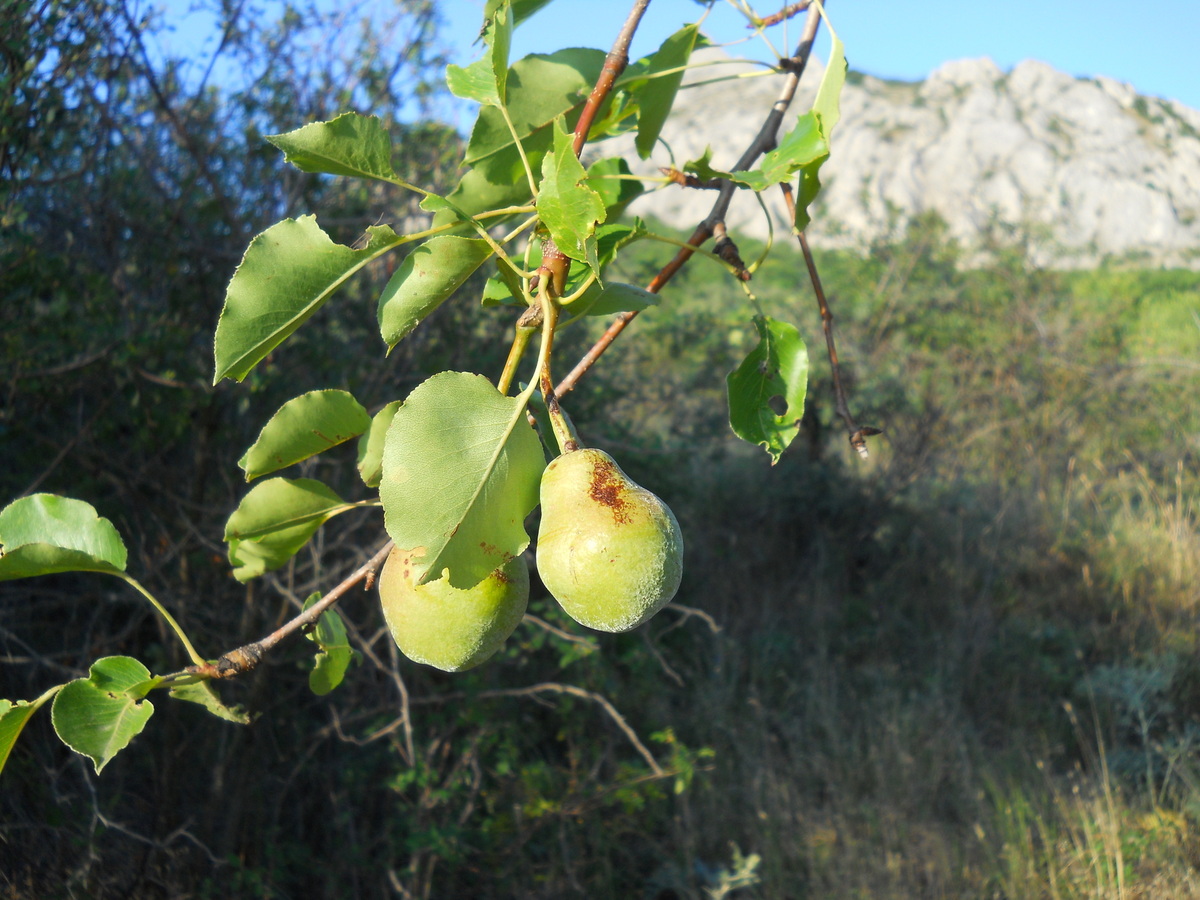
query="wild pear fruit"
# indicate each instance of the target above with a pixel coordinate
(448, 627)
(608, 550)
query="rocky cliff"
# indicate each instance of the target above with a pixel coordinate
(1083, 169)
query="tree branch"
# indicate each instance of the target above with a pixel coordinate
(614, 65)
(244, 658)
(763, 141)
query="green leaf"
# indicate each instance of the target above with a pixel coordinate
(521, 9)
(461, 470)
(275, 520)
(475, 82)
(13, 717)
(351, 144)
(827, 109)
(657, 96)
(370, 445)
(203, 693)
(540, 89)
(800, 147)
(335, 654)
(303, 427)
(702, 167)
(617, 193)
(613, 297)
(99, 715)
(428, 276)
(777, 368)
(44, 533)
(287, 274)
(498, 37)
(566, 205)
(486, 80)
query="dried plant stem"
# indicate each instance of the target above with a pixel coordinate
(554, 687)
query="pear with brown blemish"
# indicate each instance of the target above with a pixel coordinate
(447, 627)
(608, 550)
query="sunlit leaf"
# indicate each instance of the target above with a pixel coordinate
(567, 206)
(99, 715)
(303, 427)
(826, 108)
(351, 144)
(461, 468)
(613, 297)
(656, 97)
(521, 9)
(44, 533)
(540, 89)
(605, 177)
(427, 277)
(800, 147)
(775, 371)
(370, 445)
(475, 82)
(275, 520)
(287, 274)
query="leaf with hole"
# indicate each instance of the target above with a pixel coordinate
(43, 533)
(461, 468)
(287, 274)
(99, 715)
(303, 427)
(767, 391)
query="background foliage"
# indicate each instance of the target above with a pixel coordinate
(964, 668)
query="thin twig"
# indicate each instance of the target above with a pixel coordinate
(245, 658)
(763, 141)
(858, 434)
(784, 14)
(554, 687)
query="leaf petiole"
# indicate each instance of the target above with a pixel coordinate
(196, 658)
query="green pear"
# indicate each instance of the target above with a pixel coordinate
(448, 627)
(608, 550)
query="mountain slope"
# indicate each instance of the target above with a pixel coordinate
(1084, 169)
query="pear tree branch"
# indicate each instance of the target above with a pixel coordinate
(763, 142)
(244, 658)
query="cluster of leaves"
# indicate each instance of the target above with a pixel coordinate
(457, 462)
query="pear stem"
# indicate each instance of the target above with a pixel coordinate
(551, 277)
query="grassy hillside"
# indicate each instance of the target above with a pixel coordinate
(963, 668)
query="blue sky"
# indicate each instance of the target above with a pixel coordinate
(1154, 45)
